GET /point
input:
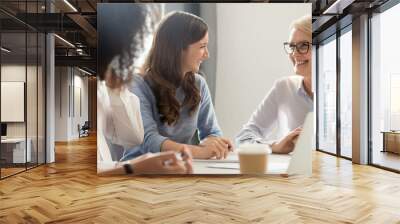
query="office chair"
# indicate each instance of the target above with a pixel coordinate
(84, 130)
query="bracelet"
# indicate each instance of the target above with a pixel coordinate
(128, 168)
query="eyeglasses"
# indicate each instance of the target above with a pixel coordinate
(302, 47)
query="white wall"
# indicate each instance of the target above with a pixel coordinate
(17, 73)
(61, 103)
(208, 11)
(250, 57)
(33, 126)
(80, 84)
(70, 83)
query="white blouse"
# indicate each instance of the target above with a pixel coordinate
(283, 109)
(119, 120)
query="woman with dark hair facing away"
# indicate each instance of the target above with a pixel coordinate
(119, 118)
(175, 100)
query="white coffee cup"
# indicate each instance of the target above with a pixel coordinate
(253, 158)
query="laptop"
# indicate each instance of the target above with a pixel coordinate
(301, 161)
(297, 162)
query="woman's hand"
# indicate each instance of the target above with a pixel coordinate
(287, 143)
(216, 146)
(187, 158)
(163, 163)
(210, 147)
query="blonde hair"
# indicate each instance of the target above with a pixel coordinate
(303, 24)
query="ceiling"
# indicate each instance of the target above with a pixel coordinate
(76, 22)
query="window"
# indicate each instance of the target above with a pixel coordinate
(346, 93)
(22, 76)
(385, 89)
(327, 96)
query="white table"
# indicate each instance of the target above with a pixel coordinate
(277, 164)
(19, 155)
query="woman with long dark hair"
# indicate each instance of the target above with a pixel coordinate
(176, 105)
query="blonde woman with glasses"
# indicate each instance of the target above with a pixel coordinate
(284, 108)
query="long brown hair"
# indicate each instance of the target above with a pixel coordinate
(163, 66)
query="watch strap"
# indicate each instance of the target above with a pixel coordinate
(128, 168)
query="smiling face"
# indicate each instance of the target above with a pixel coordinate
(301, 62)
(194, 55)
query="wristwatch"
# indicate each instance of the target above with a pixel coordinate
(128, 168)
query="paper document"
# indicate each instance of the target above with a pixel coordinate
(231, 158)
(234, 166)
(273, 167)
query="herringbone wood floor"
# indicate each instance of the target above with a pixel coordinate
(69, 191)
